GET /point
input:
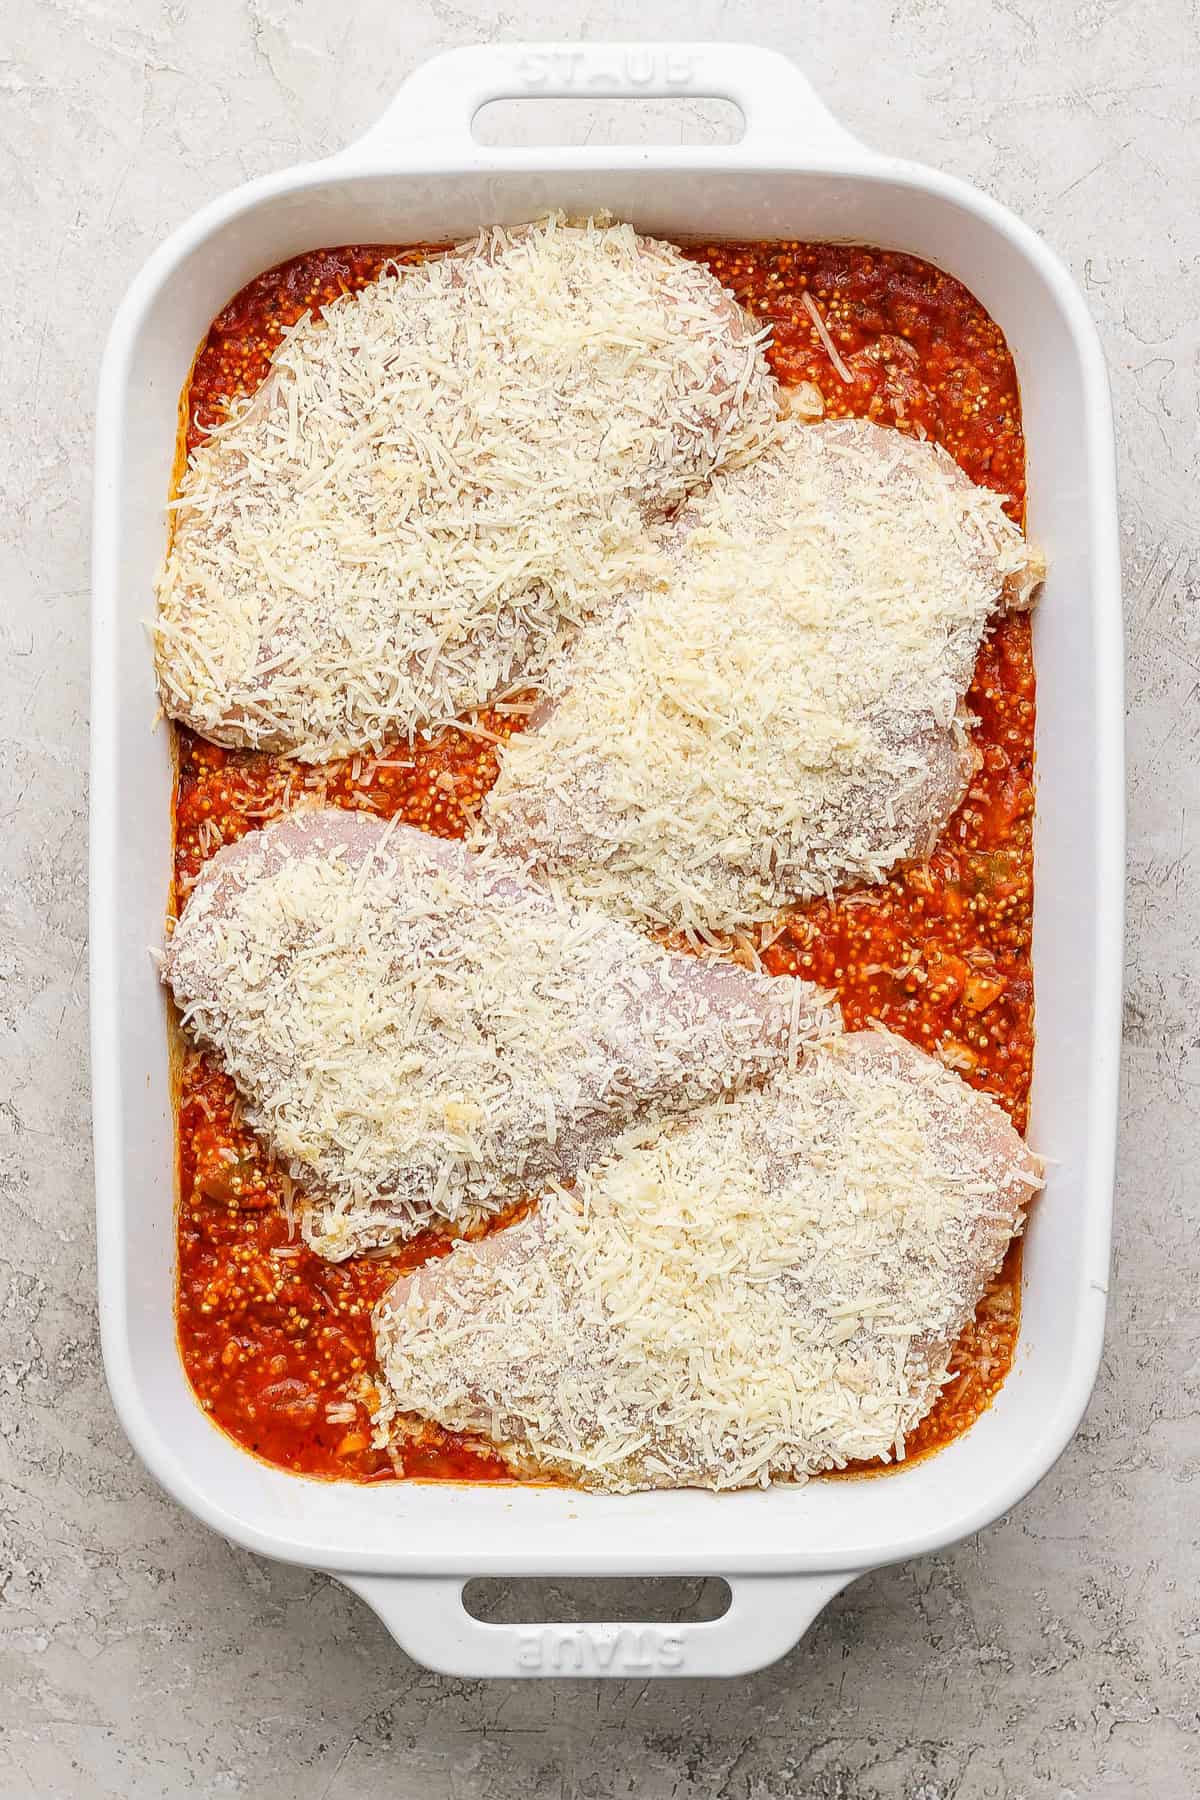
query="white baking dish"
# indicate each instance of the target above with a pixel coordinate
(407, 1548)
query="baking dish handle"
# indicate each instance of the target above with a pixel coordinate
(439, 100)
(767, 1615)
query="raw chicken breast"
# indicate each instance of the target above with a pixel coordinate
(786, 715)
(420, 1034)
(767, 1287)
(443, 477)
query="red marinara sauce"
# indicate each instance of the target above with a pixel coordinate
(277, 1342)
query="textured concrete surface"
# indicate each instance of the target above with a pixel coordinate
(1055, 1655)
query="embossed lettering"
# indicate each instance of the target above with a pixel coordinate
(678, 68)
(577, 1649)
(639, 70)
(606, 1650)
(529, 1649)
(567, 1653)
(639, 1655)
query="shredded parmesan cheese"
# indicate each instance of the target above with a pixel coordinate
(831, 350)
(787, 715)
(421, 1035)
(768, 1287)
(444, 475)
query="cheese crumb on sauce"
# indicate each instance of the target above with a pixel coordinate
(421, 1035)
(785, 716)
(769, 1287)
(444, 475)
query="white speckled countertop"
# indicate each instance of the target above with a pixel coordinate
(1057, 1654)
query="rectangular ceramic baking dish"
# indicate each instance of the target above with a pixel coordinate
(420, 174)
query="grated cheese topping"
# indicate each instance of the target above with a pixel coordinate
(769, 1287)
(443, 476)
(786, 715)
(421, 1035)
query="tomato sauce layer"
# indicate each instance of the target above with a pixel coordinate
(277, 1342)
